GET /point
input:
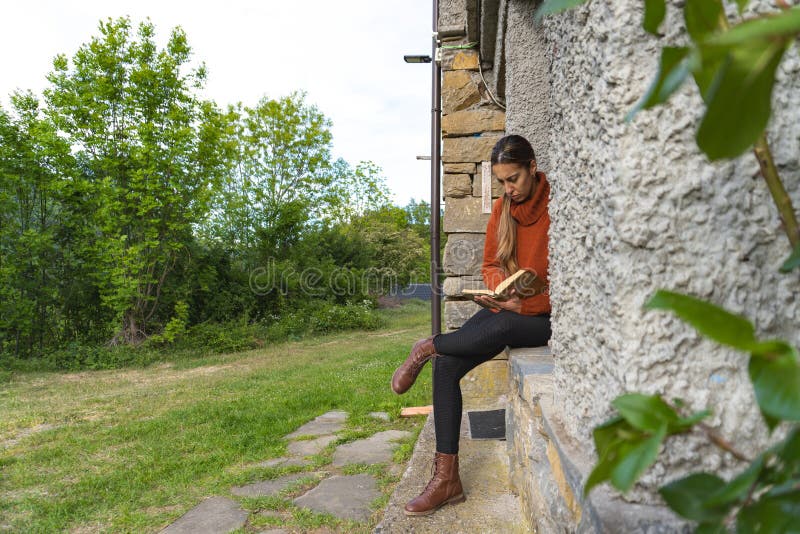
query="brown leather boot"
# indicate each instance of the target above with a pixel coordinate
(405, 375)
(444, 487)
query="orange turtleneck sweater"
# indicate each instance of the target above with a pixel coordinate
(533, 222)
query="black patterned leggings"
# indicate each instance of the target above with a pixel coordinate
(480, 339)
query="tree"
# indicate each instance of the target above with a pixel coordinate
(32, 157)
(150, 152)
(355, 191)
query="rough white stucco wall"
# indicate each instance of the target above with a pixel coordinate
(636, 207)
(452, 13)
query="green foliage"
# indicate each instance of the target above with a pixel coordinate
(703, 18)
(673, 70)
(733, 67)
(687, 497)
(792, 262)
(654, 12)
(710, 320)
(353, 192)
(773, 367)
(175, 327)
(764, 496)
(776, 381)
(137, 215)
(628, 444)
(744, 81)
(150, 151)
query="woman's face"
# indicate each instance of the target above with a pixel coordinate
(518, 181)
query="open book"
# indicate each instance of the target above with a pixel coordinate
(525, 282)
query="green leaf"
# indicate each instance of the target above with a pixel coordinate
(739, 486)
(609, 432)
(781, 26)
(550, 7)
(609, 438)
(673, 70)
(703, 17)
(687, 495)
(645, 412)
(771, 348)
(770, 421)
(634, 459)
(706, 64)
(741, 4)
(789, 450)
(710, 320)
(776, 383)
(739, 105)
(600, 473)
(771, 514)
(654, 12)
(684, 423)
(710, 528)
(792, 262)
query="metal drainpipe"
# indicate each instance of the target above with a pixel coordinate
(436, 149)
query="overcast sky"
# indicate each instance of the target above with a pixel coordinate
(347, 55)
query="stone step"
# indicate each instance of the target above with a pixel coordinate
(490, 505)
(548, 469)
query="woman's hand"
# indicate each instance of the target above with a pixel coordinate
(513, 303)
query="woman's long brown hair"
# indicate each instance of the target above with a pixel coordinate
(510, 149)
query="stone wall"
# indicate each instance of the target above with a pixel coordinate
(471, 125)
(636, 207)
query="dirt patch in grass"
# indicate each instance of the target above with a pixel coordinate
(25, 432)
(90, 528)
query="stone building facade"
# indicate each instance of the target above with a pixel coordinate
(634, 207)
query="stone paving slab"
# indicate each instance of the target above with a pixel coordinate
(376, 449)
(309, 447)
(346, 497)
(283, 461)
(266, 488)
(327, 423)
(215, 515)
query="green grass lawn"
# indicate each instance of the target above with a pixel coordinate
(131, 450)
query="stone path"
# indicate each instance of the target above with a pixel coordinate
(267, 488)
(215, 514)
(346, 497)
(376, 449)
(340, 495)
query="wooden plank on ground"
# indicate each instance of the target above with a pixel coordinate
(411, 411)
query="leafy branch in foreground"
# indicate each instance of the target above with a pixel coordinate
(764, 497)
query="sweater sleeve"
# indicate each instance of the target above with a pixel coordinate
(493, 273)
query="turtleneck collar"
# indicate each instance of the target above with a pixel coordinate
(530, 210)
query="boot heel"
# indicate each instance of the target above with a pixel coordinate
(457, 499)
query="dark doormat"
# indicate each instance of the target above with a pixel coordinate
(489, 424)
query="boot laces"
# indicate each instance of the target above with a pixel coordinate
(434, 473)
(417, 365)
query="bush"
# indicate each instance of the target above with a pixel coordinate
(314, 318)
